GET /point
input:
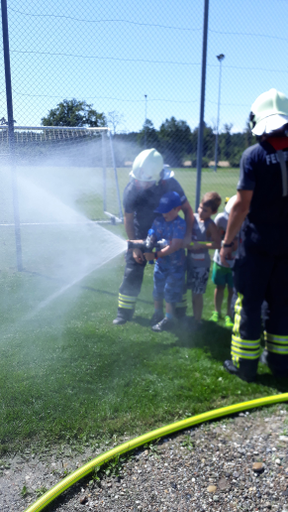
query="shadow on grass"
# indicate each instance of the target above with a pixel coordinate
(216, 341)
(144, 322)
(211, 337)
(267, 379)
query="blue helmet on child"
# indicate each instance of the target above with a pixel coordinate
(169, 201)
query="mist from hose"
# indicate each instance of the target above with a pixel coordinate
(61, 244)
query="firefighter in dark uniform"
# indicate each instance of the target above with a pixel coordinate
(261, 267)
(150, 181)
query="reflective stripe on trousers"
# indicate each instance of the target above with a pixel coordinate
(275, 343)
(241, 348)
(126, 301)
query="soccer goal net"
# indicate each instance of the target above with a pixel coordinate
(71, 166)
(55, 181)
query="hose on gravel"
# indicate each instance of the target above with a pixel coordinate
(71, 479)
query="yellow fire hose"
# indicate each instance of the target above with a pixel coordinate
(69, 480)
(202, 243)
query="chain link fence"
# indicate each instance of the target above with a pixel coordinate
(135, 67)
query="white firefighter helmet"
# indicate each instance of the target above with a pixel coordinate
(269, 112)
(147, 166)
(229, 205)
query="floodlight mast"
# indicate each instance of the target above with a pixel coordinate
(145, 125)
(220, 58)
(11, 121)
(202, 104)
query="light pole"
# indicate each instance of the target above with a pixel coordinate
(202, 104)
(220, 58)
(145, 127)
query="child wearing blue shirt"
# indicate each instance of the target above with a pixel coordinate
(170, 267)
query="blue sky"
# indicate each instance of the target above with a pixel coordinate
(113, 52)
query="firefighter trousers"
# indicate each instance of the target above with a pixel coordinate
(260, 276)
(131, 286)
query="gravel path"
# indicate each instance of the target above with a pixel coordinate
(239, 463)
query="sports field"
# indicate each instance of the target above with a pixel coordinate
(223, 181)
(68, 376)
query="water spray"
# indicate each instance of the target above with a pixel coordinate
(66, 287)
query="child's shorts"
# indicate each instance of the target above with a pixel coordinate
(168, 285)
(222, 275)
(197, 277)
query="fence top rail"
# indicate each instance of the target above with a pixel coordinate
(66, 128)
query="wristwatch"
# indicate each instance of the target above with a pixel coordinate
(226, 245)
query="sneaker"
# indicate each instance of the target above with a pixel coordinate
(119, 320)
(228, 322)
(214, 317)
(157, 317)
(165, 325)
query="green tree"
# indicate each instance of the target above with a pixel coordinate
(114, 119)
(208, 145)
(148, 133)
(249, 137)
(74, 113)
(225, 143)
(175, 141)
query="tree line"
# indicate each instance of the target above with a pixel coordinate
(174, 139)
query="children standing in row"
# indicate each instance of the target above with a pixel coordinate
(170, 268)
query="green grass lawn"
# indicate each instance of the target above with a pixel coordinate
(67, 375)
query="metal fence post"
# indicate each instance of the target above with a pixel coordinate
(116, 178)
(104, 172)
(220, 58)
(202, 104)
(11, 140)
